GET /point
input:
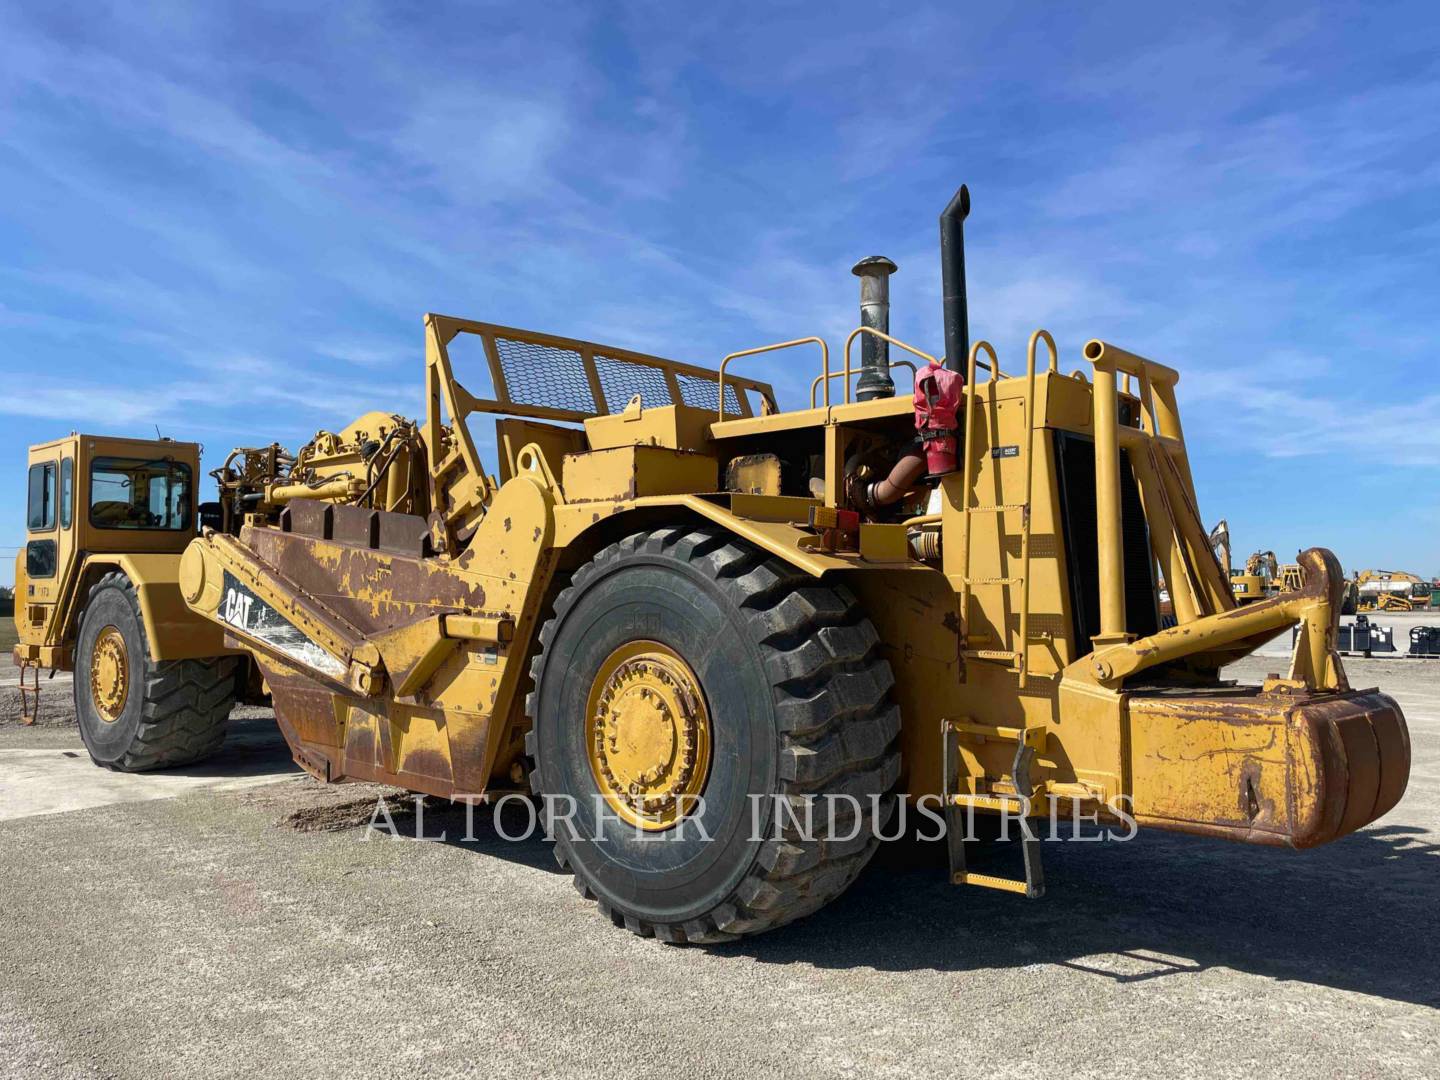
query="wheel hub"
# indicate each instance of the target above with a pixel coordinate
(109, 674)
(648, 735)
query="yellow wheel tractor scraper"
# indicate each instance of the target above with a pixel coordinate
(682, 614)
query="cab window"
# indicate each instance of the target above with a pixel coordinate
(67, 492)
(135, 493)
(41, 516)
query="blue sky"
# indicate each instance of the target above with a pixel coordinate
(229, 222)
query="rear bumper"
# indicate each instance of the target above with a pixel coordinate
(1359, 748)
(1288, 769)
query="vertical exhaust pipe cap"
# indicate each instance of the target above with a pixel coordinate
(874, 274)
(952, 274)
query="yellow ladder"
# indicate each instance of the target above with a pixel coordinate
(1015, 656)
(1020, 804)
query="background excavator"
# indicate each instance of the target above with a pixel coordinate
(1392, 590)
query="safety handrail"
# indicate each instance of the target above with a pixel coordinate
(993, 367)
(815, 382)
(1044, 335)
(970, 396)
(1022, 661)
(824, 359)
(851, 371)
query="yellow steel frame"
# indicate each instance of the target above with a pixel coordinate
(1198, 586)
(441, 330)
(1206, 612)
(460, 490)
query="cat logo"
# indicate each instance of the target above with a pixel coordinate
(237, 608)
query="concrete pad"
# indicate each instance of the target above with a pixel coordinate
(216, 934)
(58, 781)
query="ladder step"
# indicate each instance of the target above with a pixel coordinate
(1035, 635)
(992, 654)
(990, 881)
(991, 802)
(990, 731)
(998, 508)
(994, 581)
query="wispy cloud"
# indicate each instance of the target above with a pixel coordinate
(1281, 422)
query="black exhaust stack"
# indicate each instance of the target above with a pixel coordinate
(874, 274)
(952, 274)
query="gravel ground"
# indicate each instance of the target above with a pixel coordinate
(254, 931)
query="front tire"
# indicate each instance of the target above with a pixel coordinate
(136, 713)
(790, 701)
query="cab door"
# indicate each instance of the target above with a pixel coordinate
(46, 562)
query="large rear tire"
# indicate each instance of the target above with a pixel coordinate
(741, 680)
(136, 713)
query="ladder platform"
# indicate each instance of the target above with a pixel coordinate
(1033, 736)
(991, 654)
(990, 881)
(1009, 803)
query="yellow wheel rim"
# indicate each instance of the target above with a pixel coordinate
(648, 735)
(109, 674)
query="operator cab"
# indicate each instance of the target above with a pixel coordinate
(90, 493)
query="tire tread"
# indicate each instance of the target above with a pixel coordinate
(837, 723)
(185, 703)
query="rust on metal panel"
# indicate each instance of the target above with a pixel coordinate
(631, 472)
(755, 474)
(1297, 769)
(373, 590)
(364, 754)
(305, 715)
(443, 639)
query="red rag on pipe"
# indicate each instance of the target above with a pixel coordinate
(938, 391)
